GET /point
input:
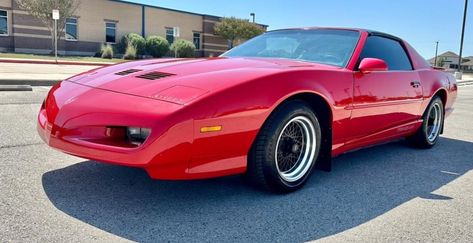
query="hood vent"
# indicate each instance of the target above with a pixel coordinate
(126, 72)
(155, 75)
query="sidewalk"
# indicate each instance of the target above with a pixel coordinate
(38, 74)
(51, 61)
(467, 77)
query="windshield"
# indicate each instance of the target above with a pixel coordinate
(333, 47)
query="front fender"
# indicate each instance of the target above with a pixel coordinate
(242, 109)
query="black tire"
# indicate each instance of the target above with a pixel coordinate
(425, 138)
(282, 130)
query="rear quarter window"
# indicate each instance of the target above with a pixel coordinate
(389, 50)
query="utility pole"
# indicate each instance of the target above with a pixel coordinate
(462, 36)
(254, 17)
(436, 52)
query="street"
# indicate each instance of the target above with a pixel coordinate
(389, 193)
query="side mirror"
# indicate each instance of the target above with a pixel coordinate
(368, 65)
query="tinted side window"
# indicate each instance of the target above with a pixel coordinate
(391, 51)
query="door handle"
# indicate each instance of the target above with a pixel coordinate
(415, 84)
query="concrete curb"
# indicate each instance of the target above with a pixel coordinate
(13, 82)
(464, 82)
(16, 88)
(28, 61)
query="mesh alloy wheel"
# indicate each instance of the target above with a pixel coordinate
(434, 121)
(286, 148)
(295, 149)
(428, 134)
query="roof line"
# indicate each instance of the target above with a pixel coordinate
(382, 34)
(170, 9)
(163, 8)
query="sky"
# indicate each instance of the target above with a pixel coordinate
(419, 22)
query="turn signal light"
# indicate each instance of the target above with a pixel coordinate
(211, 129)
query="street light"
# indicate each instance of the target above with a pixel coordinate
(253, 15)
(436, 52)
(462, 36)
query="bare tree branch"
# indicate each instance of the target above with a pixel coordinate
(42, 10)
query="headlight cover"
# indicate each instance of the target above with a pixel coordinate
(137, 135)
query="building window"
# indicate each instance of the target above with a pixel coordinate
(196, 40)
(3, 22)
(111, 32)
(170, 35)
(71, 29)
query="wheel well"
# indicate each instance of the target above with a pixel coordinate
(320, 106)
(443, 96)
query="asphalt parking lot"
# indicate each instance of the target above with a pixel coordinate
(388, 193)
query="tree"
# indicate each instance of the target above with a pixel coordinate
(132, 38)
(440, 62)
(234, 29)
(42, 10)
(157, 46)
(183, 48)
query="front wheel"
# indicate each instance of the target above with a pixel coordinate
(429, 132)
(286, 148)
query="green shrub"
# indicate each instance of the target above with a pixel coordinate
(183, 48)
(130, 53)
(135, 39)
(157, 46)
(107, 51)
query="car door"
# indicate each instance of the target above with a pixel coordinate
(385, 99)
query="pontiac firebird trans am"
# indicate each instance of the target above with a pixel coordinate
(272, 109)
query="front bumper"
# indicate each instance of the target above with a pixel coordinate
(74, 119)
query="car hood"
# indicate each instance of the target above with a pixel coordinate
(183, 80)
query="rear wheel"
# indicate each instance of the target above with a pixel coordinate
(286, 148)
(429, 132)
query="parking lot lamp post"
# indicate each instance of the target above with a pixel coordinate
(462, 36)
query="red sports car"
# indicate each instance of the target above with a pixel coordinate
(273, 108)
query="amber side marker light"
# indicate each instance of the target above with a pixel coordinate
(211, 129)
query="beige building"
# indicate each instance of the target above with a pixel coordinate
(449, 60)
(106, 21)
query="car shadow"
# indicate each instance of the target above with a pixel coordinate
(363, 185)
